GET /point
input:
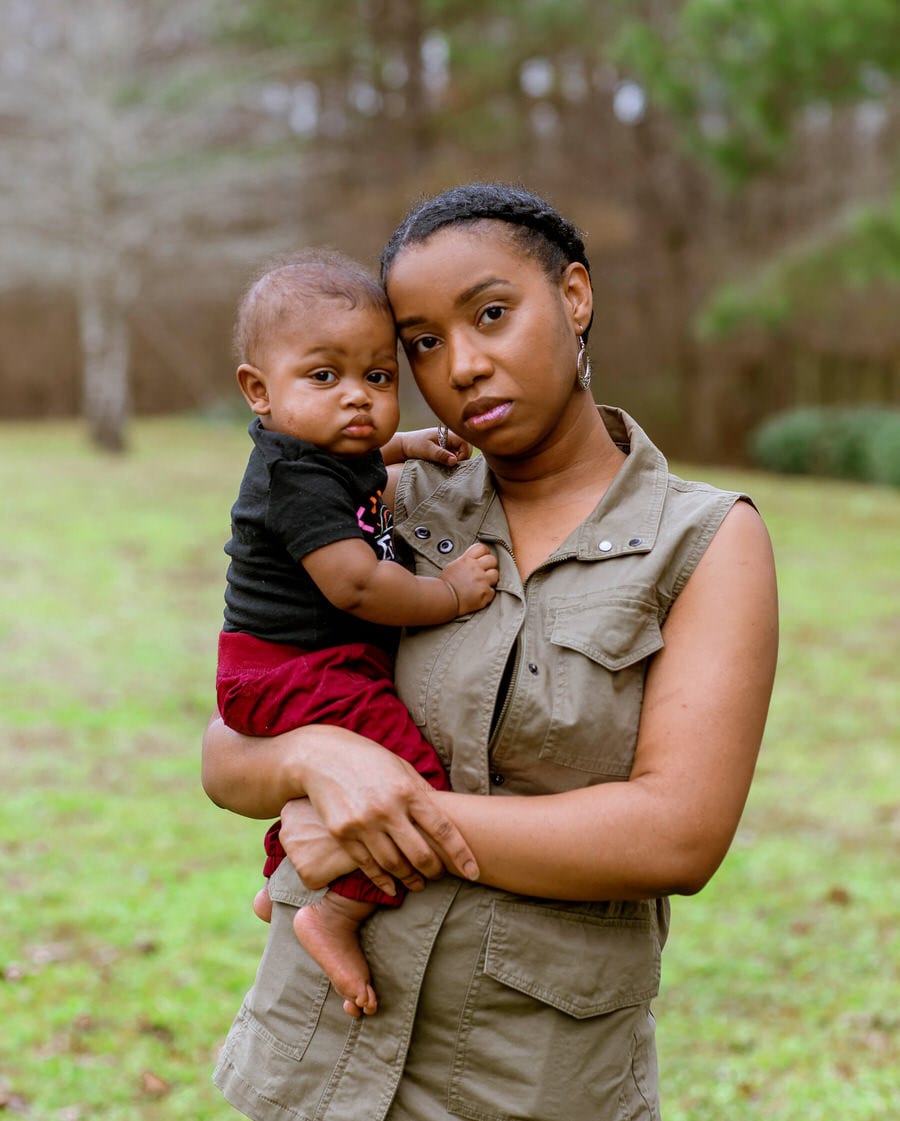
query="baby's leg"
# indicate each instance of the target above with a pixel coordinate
(329, 932)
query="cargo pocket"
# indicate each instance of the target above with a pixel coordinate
(283, 1007)
(552, 1013)
(602, 644)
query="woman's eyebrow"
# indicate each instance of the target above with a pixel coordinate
(470, 293)
(461, 300)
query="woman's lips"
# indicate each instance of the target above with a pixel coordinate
(485, 413)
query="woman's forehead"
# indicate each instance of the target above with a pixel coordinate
(456, 258)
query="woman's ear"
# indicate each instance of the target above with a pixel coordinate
(575, 285)
(253, 386)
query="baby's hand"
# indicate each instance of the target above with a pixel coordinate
(473, 577)
(425, 443)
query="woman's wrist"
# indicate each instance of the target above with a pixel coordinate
(304, 746)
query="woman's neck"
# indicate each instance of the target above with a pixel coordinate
(547, 495)
(581, 460)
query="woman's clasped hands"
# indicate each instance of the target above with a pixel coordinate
(366, 808)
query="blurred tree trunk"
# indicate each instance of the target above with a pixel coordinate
(106, 292)
(106, 279)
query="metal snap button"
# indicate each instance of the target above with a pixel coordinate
(532, 668)
(497, 779)
(445, 545)
(605, 546)
(634, 542)
(422, 532)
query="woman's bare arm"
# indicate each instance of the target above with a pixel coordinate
(251, 775)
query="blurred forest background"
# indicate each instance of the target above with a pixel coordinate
(733, 163)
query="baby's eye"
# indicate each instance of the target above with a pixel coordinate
(493, 313)
(379, 377)
(324, 377)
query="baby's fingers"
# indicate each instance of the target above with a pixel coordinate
(460, 448)
(478, 551)
(490, 567)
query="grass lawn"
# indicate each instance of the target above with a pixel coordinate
(126, 937)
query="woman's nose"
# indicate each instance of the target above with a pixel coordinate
(467, 361)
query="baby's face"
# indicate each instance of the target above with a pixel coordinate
(332, 379)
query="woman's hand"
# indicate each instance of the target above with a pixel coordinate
(380, 811)
(311, 849)
(385, 817)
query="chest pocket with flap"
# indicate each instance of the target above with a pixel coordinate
(600, 644)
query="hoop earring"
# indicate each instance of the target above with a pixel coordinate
(583, 367)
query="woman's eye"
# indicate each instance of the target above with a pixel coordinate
(423, 344)
(324, 377)
(493, 313)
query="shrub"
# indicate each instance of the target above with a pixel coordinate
(847, 442)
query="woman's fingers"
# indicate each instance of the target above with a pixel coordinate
(445, 838)
(313, 851)
(376, 867)
(384, 814)
(388, 838)
(422, 842)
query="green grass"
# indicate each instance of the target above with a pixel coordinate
(126, 937)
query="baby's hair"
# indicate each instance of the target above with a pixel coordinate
(538, 228)
(286, 286)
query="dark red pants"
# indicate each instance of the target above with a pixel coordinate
(265, 688)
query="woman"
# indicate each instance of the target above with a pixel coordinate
(600, 722)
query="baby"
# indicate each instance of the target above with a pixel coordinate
(314, 593)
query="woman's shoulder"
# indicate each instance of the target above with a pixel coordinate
(424, 483)
(690, 495)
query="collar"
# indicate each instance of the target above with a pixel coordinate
(464, 506)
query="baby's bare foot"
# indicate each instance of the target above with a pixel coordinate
(262, 904)
(329, 932)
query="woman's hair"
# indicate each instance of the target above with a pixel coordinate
(538, 228)
(286, 287)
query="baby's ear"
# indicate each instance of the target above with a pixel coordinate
(253, 386)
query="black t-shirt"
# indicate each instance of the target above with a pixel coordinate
(295, 498)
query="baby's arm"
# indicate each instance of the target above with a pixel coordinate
(352, 578)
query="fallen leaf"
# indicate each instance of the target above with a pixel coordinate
(154, 1086)
(12, 1101)
(157, 1031)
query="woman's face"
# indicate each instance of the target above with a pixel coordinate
(491, 338)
